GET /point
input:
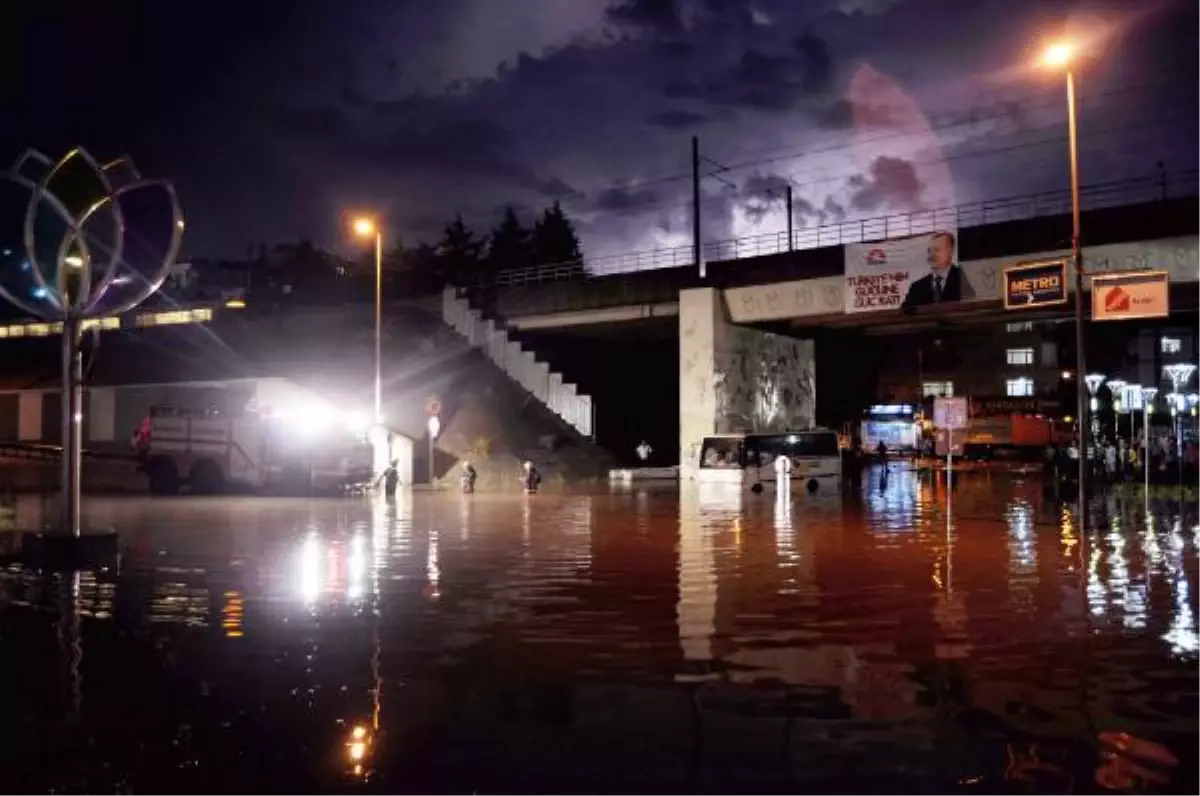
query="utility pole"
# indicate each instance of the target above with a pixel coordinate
(697, 258)
(789, 217)
(1081, 404)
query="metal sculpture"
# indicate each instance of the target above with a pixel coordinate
(81, 240)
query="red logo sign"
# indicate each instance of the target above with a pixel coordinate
(1116, 300)
(877, 257)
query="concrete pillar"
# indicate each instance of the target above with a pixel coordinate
(735, 378)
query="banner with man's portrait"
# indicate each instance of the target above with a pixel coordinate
(907, 272)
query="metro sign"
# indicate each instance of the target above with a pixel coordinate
(1040, 284)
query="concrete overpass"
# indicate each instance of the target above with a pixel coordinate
(806, 288)
(746, 329)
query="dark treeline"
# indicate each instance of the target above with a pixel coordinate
(462, 256)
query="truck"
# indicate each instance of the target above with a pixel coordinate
(213, 449)
(1017, 436)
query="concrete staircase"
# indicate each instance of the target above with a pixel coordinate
(491, 337)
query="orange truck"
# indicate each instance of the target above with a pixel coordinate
(1011, 433)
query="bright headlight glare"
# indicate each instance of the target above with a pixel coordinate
(358, 422)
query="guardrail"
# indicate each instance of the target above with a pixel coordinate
(1048, 203)
(521, 366)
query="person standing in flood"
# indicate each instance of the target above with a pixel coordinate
(390, 479)
(530, 478)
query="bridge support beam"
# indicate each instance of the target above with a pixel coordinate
(735, 378)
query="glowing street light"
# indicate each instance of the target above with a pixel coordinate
(367, 227)
(364, 227)
(1060, 56)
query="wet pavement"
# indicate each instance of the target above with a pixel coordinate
(638, 640)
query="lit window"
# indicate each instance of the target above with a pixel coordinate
(1020, 356)
(937, 388)
(1020, 386)
(1171, 345)
(173, 318)
(1017, 328)
(101, 323)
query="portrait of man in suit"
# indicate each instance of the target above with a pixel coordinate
(945, 281)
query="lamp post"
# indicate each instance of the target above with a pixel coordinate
(1179, 373)
(1148, 394)
(1060, 56)
(365, 227)
(1116, 388)
(1092, 382)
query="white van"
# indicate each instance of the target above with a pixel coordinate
(749, 459)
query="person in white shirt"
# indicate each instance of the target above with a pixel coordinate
(644, 450)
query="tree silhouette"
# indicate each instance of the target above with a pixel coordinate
(554, 238)
(459, 251)
(509, 244)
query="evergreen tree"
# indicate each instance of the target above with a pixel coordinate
(554, 238)
(459, 251)
(509, 245)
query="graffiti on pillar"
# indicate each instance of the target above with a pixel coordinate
(764, 382)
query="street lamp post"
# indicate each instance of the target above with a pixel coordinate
(1093, 382)
(1179, 375)
(1148, 394)
(366, 228)
(1060, 55)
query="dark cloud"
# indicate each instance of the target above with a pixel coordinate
(762, 80)
(816, 64)
(761, 194)
(657, 15)
(620, 199)
(767, 187)
(676, 119)
(847, 114)
(554, 188)
(764, 194)
(832, 212)
(891, 183)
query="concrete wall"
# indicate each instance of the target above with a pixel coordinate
(733, 378)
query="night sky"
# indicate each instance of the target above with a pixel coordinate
(275, 118)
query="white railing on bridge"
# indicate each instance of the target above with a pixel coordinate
(520, 365)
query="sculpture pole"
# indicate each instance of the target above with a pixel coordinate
(72, 428)
(97, 239)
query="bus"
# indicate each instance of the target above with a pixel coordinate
(748, 460)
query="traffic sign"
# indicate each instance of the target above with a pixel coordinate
(950, 413)
(433, 406)
(1040, 284)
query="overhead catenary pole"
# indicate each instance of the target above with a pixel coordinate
(791, 237)
(697, 257)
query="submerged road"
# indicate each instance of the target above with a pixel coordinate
(635, 640)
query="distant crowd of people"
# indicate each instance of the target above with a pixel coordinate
(1117, 461)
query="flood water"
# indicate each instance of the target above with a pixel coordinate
(627, 641)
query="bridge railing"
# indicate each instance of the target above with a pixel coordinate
(1092, 197)
(520, 365)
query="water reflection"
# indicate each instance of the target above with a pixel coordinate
(654, 640)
